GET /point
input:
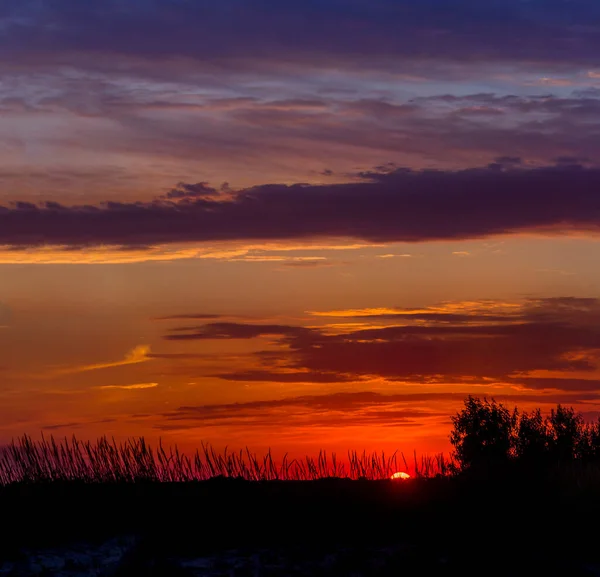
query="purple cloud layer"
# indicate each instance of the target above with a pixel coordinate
(237, 32)
(397, 205)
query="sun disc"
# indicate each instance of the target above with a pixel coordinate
(400, 476)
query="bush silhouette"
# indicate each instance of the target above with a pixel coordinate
(487, 435)
(482, 434)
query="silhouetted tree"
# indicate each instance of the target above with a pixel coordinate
(486, 435)
(483, 434)
(567, 434)
(532, 439)
(590, 446)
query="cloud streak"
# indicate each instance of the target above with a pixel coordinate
(139, 354)
(133, 387)
(334, 410)
(361, 408)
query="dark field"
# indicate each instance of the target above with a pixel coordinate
(520, 497)
(438, 526)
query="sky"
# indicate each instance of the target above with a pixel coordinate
(301, 225)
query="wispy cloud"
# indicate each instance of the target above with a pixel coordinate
(338, 409)
(76, 424)
(363, 408)
(139, 354)
(275, 253)
(131, 387)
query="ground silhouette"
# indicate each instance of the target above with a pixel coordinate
(518, 500)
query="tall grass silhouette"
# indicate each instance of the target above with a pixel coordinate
(487, 438)
(25, 460)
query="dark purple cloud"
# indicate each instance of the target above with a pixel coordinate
(323, 32)
(554, 334)
(410, 355)
(402, 205)
(197, 190)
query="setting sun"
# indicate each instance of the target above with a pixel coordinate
(401, 476)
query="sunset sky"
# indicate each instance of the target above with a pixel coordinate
(300, 225)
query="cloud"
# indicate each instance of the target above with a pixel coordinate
(339, 409)
(139, 354)
(131, 387)
(78, 254)
(282, 260)
(198, 190)
(315, 410)
(57, 426)
(226, 331)
(363, 121)
(121, 254)
(75, 424)
(287, 376)
(399, 206)
(482, 342)
(181, 356)
(564, 383)
(470, 313)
